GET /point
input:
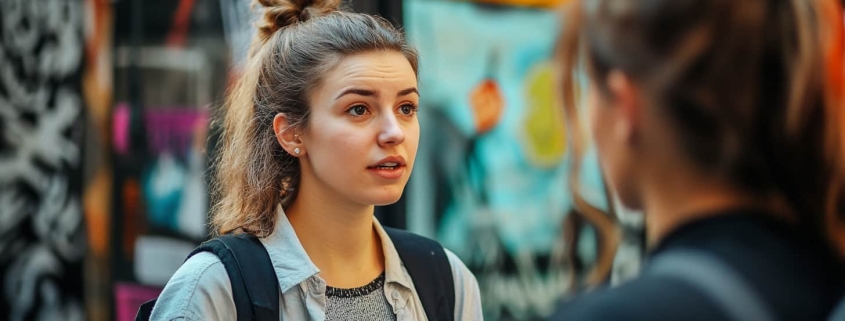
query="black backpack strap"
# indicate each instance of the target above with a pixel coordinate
(715, 279)
(250, 269)
(429, 267)
(145, 310)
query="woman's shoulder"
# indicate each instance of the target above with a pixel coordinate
(199, 290)
(645, 298)
(467, 294)
(202, 270)
(460, 272)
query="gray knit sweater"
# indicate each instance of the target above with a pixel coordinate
(366, 303)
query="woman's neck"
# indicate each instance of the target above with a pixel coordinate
(679, 198)
(338, 236)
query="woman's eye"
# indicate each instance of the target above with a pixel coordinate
(408, 109)
(359, 110)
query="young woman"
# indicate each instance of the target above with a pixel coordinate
(320, 128)
(722, 121)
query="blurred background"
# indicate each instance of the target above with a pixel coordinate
(106, 135)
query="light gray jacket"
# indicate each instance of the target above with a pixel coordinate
(200, 289)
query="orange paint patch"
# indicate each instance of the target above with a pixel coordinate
(488, 103)
(834, 39)
(532, 3)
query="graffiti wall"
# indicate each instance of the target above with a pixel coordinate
(491, 178)
(42, 239)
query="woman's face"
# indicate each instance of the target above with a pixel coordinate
(363, 131)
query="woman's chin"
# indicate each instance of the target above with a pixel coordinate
(383, 198)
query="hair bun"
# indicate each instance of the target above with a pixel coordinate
(282, 13)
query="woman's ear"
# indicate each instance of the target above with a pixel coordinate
(288, 135)
(624, 96)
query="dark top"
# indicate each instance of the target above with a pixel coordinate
(793, 272)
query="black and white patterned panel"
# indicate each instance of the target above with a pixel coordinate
(42, 239)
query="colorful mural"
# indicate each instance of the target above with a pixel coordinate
(537, 3)
(42, 227)
(491, 177)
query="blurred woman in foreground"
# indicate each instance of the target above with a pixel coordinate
(722, 120)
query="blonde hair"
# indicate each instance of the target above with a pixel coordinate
(297, 42)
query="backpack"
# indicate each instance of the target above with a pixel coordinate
(256, 299)
(724, 286)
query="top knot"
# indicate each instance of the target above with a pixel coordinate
(282, 13)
